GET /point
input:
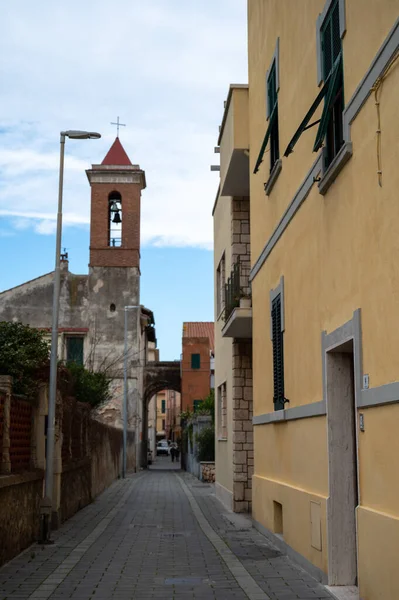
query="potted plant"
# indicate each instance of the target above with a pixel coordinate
(245, 299)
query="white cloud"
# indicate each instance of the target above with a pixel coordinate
(163, 66)
(18, 162)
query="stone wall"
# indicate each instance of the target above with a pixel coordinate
(243, 449)
(106, 455)
(94, 460)
(208, 472)
(75, 489)
(88, 458)
(240, 236)
(20, 497)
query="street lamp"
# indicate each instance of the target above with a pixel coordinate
(47, 502)
(127, 308)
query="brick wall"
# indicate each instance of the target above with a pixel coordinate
(195, 382)
(20, 434)
(101, 255)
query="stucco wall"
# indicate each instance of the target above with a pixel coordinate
(223, 355)
(337, 254)
(32, 302)
(85, 304)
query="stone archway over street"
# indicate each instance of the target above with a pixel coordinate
(158, 376)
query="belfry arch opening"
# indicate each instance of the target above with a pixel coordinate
(115, 219)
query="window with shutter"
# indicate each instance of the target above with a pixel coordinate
(271, 134)
(222, 411)
(278, 354)
(163, 406)
(197, 405)
(330, 125)
(74, 349)
(195, 361)
(272, 97)
(220, 285)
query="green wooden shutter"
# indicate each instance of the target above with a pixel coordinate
(304, 124)
(331, 49)
(195, 361)
(197, 405)
(278, 355)
(331, 44)
(334, 84)
(272, 93)
(330, 130)
(273, 117)
(74, 349)
(163, 402)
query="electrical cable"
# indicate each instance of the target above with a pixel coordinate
(377, 89)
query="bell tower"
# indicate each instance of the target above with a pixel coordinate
(116, 187)
(114, 268)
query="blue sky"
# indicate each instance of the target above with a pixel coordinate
(163, 66)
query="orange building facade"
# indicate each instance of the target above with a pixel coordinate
(197, 363)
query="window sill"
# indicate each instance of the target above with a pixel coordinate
(275, 172)
(330, 175)
(222, 439)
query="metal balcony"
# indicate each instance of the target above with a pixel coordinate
(237, 308)
(234, 144)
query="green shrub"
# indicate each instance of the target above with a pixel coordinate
(89, 386)
(23, 352)
(208, 406)
(206, 444)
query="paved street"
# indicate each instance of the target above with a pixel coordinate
(159, 534)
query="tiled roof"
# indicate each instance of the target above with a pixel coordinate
(116, 155)
(200, 329)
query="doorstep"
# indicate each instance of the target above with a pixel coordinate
(343, 592)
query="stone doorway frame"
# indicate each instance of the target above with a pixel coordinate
(342, 558)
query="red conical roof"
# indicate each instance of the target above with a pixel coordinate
(116, 155)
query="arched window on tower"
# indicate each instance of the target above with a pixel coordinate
(114, 219)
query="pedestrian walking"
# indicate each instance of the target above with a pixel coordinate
(173, 452)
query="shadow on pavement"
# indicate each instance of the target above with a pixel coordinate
(164, 463)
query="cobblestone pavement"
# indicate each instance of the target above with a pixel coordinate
(160, 534)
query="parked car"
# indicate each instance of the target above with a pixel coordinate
(162, 448)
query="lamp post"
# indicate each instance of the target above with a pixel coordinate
(127, 308)
(47, 502)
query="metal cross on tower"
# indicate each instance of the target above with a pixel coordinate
(118, 125)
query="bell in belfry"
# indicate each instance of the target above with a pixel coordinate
(117, 217)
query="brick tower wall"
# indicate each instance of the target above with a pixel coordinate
(101, 254)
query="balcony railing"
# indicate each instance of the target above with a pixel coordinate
(232, 291)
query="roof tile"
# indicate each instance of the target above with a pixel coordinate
(200, 329)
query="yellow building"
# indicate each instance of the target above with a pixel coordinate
(234, 453)
(161, 415)
(325, 284)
